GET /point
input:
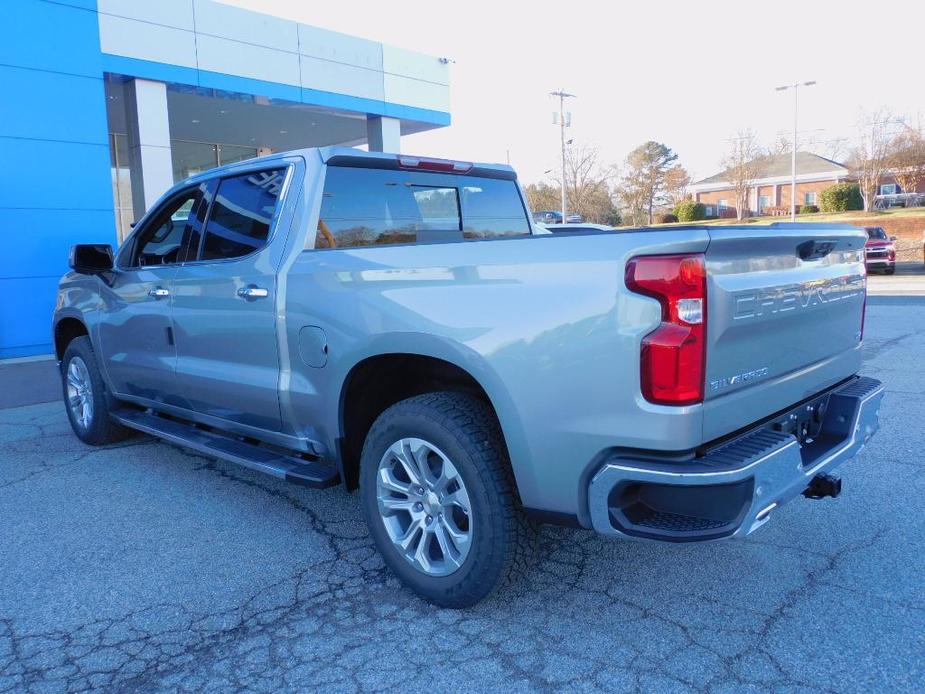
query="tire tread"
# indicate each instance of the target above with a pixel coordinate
(472, 422)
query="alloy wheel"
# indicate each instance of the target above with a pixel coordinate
(424, 506)
(79, 392)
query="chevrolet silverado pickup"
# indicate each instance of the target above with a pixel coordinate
(398, 325)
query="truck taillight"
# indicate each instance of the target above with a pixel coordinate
(673, 355)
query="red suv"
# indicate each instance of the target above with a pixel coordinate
(880, 251)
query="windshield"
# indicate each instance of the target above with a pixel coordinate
(876, 233)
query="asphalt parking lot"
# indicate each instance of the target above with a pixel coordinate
(140, 567)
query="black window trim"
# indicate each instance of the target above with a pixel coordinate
(265, 166)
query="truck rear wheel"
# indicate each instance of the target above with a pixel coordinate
(440, 500)
(86, 399)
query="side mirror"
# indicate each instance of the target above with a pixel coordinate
(892, 238)
(91, 258)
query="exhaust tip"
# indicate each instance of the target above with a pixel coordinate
(823, 485)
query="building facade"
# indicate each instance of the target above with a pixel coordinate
(771, 193)
(110, 102)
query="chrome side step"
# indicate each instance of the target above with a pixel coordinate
(308, 473)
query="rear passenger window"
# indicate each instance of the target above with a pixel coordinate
(492, 208)
(370, 207)
(242, 210)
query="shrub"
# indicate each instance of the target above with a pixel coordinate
(690, 211)
(612, 218)
(809, 209)
(841, 197)
(667, 218)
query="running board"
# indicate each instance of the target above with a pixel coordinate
(308, 473)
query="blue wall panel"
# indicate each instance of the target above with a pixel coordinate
(55, 186)
(45, 237)
(27, 330)
(49, 36)
(59, 106)
(55, 174)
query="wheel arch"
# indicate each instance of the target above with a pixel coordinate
(66, 329)
(381, 379)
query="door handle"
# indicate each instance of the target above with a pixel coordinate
(253, 292)
(159, 293)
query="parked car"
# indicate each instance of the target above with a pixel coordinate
(547, 217)
(574, 219)
(880, 251)
(396, 324)
(578, 228)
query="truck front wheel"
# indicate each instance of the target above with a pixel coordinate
(440, 500)
(85, 397)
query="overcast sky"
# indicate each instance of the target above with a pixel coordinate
(689, 74)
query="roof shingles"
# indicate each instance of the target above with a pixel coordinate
(780, 165)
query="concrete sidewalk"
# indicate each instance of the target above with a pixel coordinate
(28, 382)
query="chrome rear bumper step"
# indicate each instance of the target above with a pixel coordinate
(308, 473)
(734, 488)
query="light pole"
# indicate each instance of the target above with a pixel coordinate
(793, 157)
(563, 95)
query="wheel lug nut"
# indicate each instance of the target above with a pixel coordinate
(420, 490)
(430, 519)
(419, 506)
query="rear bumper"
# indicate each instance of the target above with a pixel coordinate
(733, 488)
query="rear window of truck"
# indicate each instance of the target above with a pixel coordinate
(372, 207)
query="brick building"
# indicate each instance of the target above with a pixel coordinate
(772, 190)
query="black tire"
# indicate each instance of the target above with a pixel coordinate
(100, 428)
(891, 271)
(503, 540)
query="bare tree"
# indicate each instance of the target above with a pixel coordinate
(907, 159)
(676, 182)
(781, 145)
(588, 185)
(634, 202)
(836, 149)
(745, 162)
(870, 157)
(542, 196)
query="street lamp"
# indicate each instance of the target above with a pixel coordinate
(563, 95)
(793, 159)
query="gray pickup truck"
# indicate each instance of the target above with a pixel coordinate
(398, 325)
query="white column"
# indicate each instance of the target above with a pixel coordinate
(148, 142)
(383, 134)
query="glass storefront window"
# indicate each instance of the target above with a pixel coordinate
(121, 184)
(229, 154)
(191, 158)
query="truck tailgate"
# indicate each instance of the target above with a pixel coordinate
(784, 317)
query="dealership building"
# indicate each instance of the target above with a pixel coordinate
(109, 102)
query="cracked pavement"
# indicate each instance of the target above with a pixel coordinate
(141, 567)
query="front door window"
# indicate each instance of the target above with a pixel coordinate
(173, 229)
